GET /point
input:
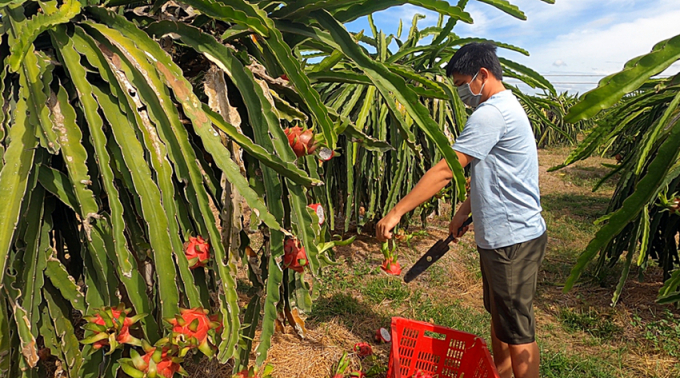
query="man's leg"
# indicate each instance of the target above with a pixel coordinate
(501, 356)
(525, 360)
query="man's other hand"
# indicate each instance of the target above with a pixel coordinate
(454, 226)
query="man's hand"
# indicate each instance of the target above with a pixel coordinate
(458, 219)
(383, 230)
(454, 226)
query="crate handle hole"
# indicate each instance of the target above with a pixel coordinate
(435, 335)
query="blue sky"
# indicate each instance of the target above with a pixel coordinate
(570, 37)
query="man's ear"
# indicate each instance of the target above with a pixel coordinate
(484, 74)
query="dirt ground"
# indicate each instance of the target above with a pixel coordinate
(569, 204)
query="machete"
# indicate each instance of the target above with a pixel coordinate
(438, 250)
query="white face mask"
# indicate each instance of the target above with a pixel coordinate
(470, 99)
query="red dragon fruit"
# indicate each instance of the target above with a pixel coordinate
(325, 154)
(318, 209)
(157, 362)
(363, 349)
(421, 374)
(357, 374)
(111, 326)
(294, 256)
(342, 366)
(197, 251)
(301, 141)
(382, 335)
(391, 266)
(193, 328)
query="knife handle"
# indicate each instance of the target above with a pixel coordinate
(465, 224)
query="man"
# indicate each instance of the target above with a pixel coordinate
(510, 232)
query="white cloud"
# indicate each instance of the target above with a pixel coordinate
(390, 18)
(603, 43)
(609, 48)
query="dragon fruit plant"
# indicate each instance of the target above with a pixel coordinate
(111, 327)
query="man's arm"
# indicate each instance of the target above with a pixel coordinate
(430, 184)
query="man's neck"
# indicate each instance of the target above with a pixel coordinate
(492, 88)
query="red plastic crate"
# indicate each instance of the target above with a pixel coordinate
(442, 352)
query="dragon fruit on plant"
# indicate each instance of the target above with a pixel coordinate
(301, 141)
(197, 251)
(193, 328)
(157, 362)
(318, 209)
(294, 256)
(111, 326)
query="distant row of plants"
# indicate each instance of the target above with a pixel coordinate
(638, 122)
(546, 112)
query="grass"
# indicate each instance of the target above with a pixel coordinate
(663, 334)
(563, 364)
(453, 315)
(592, 322)
(385, 289)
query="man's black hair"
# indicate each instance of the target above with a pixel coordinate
(469, 59)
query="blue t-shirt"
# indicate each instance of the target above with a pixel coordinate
(504, 194)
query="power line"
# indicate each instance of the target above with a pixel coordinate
(588, 75)
(575, 75)
(558, 82)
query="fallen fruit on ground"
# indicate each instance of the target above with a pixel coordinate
(382, 335)
(343, 364)
(363, 349)
(421, 374)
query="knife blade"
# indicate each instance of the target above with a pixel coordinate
(436, 252)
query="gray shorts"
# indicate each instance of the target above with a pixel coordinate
(509, 280)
